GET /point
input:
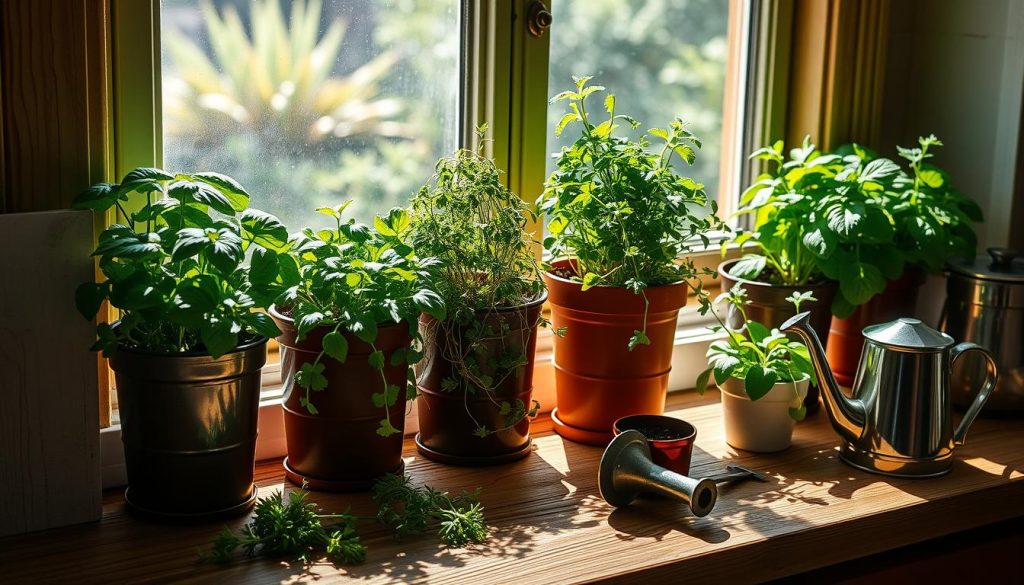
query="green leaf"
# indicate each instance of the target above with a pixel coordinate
(749, 267)
(99, 197)
(759, 381)
(264, 266)
(702, 381)
(228, 187)
(566, 119)
(199, 192)
(307, 321)
(383, 228)
(336, 345)
(591, 279)
(376, 360)
(821, 241)
(844, 220)
(264, 229)
(261, 324)
(758, 332)
(364, 327)
(879, 171)
(858, 282)
(638, 338)
(430, 303)
(89, 297)
(386, 429)
(218, 338)
(398, 357)
(798, 414)
(311, 376)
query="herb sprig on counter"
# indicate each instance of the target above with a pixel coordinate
(292, 526)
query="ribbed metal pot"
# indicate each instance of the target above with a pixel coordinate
(188, 424)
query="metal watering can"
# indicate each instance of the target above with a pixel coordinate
(899, 420)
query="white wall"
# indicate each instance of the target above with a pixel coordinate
(956, 68)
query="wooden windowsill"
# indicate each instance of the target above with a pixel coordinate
(549, 524)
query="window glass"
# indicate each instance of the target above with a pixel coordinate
(308, 103)
(661, 58)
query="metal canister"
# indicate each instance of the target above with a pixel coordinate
(188, 424)
(985, 305)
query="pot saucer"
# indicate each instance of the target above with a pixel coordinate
(189, 517)
(578, 435)
(469, 461)
(334, 485)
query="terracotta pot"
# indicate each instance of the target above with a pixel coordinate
(762, 425)
(449, 418)
(339, 449)
(597, 379)
(845, 341)
(188, 424)
(670, 439)
(769, 307)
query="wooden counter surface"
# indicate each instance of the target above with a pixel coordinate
(549, 525)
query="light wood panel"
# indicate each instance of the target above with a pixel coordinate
(549, 524)
(49, 424)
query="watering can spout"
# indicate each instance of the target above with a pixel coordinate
(845, 414)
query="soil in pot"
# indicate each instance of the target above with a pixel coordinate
(597, 379)
(189, 425)
(451, 409)
(768, 306)
(338, 449)
(670, 439)
(899, 299)
(763, 425)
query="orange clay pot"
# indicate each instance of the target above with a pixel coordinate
(845, 341)
(597, 379)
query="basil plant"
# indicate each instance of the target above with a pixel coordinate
(174, 264)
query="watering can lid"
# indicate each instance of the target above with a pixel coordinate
(906, 332)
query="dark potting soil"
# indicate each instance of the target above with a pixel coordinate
(657, 433)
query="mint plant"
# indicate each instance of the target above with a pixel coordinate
(757, 356)
(618, 210)
(356, 278)
(933, 220)
(852, 217)
(174, 263)
(822, 216)
(476, 228)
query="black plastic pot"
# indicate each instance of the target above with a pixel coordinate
(189, 424)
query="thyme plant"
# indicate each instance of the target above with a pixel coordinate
(174, 263)
(618, 210)
(355, 278)
(477, 229)
(296, 527)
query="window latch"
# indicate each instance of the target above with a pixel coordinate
(538, 18)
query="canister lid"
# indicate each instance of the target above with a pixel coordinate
(909, 333)
(1000, 264)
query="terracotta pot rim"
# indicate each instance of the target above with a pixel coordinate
(272, 310)
(659, 442)
(566, 281)
(723, 268)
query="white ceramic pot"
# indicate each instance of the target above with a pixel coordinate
(764, 425)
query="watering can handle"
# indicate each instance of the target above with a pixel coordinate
(986, 389)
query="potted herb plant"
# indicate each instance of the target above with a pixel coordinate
(347, 328)
(763, 377)
(822, 224)
(932, 223)
(476, 376)
(188, 348)
(621, 221)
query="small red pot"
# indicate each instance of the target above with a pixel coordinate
(672, 454)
